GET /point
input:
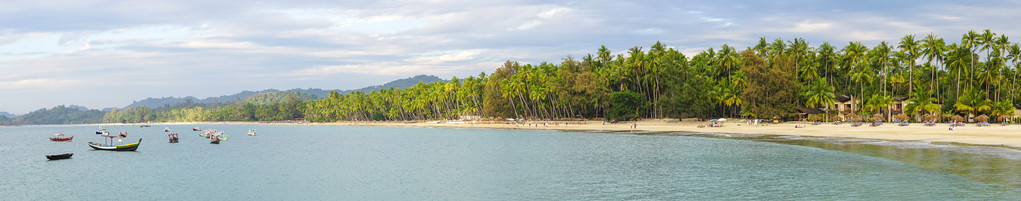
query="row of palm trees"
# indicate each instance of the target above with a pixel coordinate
(977, 75)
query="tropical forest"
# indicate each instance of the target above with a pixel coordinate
(938, 79)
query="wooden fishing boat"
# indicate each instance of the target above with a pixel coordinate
(214, 140)
(251, 132)
(173, 137)
(110, 147)
(59, 156)
(196, 129)
(59, 137)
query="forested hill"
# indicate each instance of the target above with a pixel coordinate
(316, 93)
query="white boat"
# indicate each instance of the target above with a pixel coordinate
(251, 132)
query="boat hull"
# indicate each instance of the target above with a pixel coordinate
(61, 139)
(126, 147)
(59, 156)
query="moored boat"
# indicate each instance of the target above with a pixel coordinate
(59, 156)
(214, 140)
(166, 129)
(110, 147)
(59, 137)
(196, 129)
(251, 132)
(173, 137)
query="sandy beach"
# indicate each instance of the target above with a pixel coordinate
(995, 135)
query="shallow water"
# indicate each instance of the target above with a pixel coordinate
(378, 163)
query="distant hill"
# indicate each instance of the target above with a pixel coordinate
(305, 94)
(8, 115)
(401, 83)
(57, 115)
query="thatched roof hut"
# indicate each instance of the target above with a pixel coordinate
(929, 117)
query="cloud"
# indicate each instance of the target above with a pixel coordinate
(36, 84)
(182, 48)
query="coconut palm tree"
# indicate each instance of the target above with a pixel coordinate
(908, 45)
(820, 93)
(932, 49)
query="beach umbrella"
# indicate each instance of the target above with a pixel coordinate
(982, 118)
(957, 118)
(878, 117)
(903, 117)
(1004, 118)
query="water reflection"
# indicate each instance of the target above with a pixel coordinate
(989, 164)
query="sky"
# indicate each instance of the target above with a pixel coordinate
(101, 53)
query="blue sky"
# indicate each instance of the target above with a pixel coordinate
(103, 54)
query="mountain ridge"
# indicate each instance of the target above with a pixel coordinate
(319, 93)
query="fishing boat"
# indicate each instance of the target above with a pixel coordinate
(196, 129)
(60, 137)
(101, 131)
(221, 136)
(207, 134)
(173, 137)
(214, 140)
(251, 132)
(59, 156)
(166, 129)
(110, 147)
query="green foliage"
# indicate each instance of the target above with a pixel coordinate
(57, 115)
(625, 105)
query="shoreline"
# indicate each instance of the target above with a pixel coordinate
(994, 135)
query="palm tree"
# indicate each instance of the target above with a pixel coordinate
(969, 41)
(882, 52)
(921, 102)
(827, 59)
(820, 93)
(933, 48)
(854, 53)
(909, 46)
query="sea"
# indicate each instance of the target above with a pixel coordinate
(315, 162)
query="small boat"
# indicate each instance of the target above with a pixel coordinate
(214, 140)
(173, 137)
(251, 132)
(110, 147)
(166, 129)
(196, 129)
(101, 131)
(59, 137)
(207, 134)
(59, 156)
(144, 126)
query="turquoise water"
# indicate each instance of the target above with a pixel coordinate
(378, 163)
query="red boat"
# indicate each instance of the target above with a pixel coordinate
(59, 137)
(196, 129)
(173, 138)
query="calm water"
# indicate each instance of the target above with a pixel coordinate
(372, 163)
